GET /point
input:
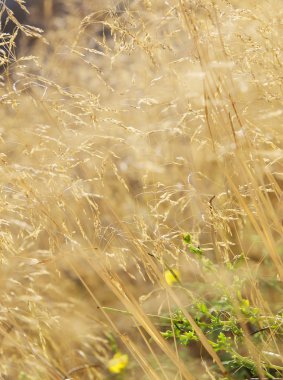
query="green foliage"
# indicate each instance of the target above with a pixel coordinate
(224, 322)
(230, 322)
(187, 238)
(112, 342)
(193, 248)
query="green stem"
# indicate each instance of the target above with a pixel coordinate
(112, 309)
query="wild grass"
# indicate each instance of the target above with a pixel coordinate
(141, 193)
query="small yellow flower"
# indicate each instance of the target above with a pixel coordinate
(118, 363)
(172, 276)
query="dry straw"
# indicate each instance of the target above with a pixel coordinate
(124, 127)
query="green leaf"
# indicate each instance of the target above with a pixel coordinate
(202, 307)
(187, 238)
(196, 250)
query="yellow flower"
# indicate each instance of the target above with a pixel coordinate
(172, 276)
(118, 363)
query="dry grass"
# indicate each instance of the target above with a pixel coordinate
(115, 146)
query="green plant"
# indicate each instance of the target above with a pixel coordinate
(225, 322)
